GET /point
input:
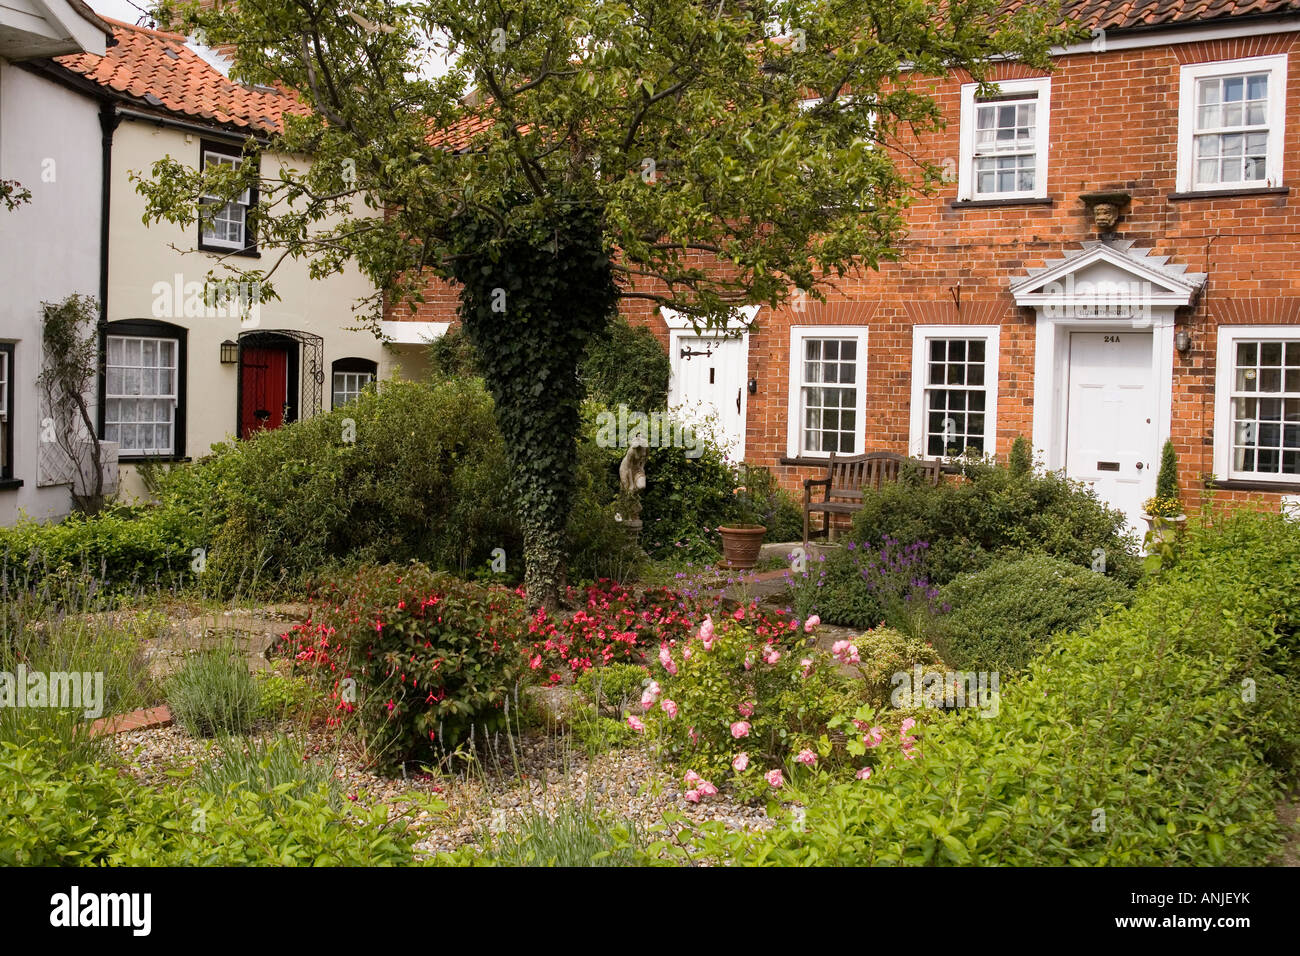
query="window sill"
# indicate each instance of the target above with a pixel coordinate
(1245, 484)
(157, 459)
(993, 203)
(802, 462)
(9, 484)
(1229, 193)
(249, 252)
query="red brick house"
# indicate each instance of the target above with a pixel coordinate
(1115, 262)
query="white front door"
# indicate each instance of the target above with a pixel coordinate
(1111, 431)
(708, 387)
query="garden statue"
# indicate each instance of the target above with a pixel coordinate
(631, 480)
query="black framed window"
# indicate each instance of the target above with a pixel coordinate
(6, 411)
(142, 389)
(229, 225)
(350, 376)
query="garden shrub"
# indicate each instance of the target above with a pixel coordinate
(862, 586)
(967, 522)
(614, 688)
(769, 504)
(626, 365)
(410, 471)
(685, 501)
(1164, 736)
(82, 560)
(214, 693)
(1003, 615)
(728, 691)
(433, 657)
(93, 814)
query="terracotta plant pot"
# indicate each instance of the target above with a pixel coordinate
(740, 546)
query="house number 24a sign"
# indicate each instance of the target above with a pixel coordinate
(1110, 338)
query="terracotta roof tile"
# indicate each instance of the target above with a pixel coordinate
(1126, 14)
(158, 69)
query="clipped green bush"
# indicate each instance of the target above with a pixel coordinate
(410, 471)
(1164, 736)
(968, 522)
(214, 693)
(685, 500)
(1002, 616)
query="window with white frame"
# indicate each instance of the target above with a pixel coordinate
(954, 390)
(1004, 141)
(828, 366)
(350, 377)
(6, 410)
(1258, 396)
(141, 394)
(225, 223)
(1230, 124)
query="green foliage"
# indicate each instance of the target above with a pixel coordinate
(214, 693)
(967, 523)
(1164, 736)
(274, 769)
(452, 356)
(99, 559)
(758, 499)
(834, 588)
(513, 279)
(93, 814)
(612, 688)
(886, 651)
(1021, 460)
(433, 658)
(626, 365)
(1003, 615)
(70, 360)
(424, 478)
(685, 500)
(284, 697)
(1167, 477)
(745, 695)
(570, 834)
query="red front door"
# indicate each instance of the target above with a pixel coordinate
(264, 388)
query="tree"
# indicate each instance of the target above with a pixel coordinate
(577, 152)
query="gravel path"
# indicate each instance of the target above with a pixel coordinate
(539, 773)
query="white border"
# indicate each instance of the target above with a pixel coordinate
(921, 334)
(1188, 74)
(1228, 336)
(1042, 88)
(794, 413)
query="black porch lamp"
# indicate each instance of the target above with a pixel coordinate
(229, 352)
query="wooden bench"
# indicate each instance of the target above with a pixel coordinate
(846, 480)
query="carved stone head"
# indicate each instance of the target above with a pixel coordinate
(1105, 215)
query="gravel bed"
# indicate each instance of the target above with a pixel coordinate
(536, 775)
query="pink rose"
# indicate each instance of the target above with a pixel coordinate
(807, 665)
(740, 763)
(775, 778)
(706, 629)
(874, 736)
(691, 778)
(807, 758)
(746, 709)
(740, 729)
(811, 623)
(863, 774)
(635, 724)
(692, 796)
(771, 655)
(707, 789)
(740, 614)
(669, 707)
(905, 726)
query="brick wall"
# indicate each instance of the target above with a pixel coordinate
(1114, 126)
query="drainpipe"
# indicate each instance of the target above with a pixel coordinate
(108, 120)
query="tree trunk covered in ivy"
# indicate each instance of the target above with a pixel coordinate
(530, 302)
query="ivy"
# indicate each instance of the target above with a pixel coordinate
(530, 302)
